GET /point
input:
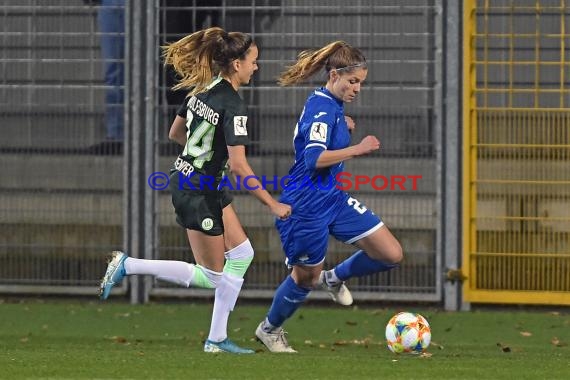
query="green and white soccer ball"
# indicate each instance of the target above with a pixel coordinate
(408, 332)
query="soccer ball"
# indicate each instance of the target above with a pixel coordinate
(408, 332)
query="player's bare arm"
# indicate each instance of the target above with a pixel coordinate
(178, 130)
(333, 157)
(238, 165)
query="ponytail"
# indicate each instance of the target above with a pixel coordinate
(202, 55)
(336, 55)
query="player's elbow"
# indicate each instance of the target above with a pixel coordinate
(311, 159)
(177, 136)
(172, 135)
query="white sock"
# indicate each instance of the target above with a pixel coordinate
(177, 272)
(267, 327)
(227, 294)
(331, 279)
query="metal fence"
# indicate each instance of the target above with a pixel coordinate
(517, 152)
(69, 189)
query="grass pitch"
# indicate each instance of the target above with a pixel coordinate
(164, 341)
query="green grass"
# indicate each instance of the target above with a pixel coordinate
(113, 340)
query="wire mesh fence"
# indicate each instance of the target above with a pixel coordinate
(62, 179)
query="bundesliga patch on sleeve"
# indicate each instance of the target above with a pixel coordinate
(318, 132)
(240, 123)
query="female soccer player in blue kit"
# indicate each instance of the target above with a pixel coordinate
(322, 144)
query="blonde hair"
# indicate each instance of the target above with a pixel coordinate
(337, 55)
(202, 55)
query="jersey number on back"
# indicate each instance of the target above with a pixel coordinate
(199, 144)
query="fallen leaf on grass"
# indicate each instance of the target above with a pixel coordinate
(365, 342)
(503, 347)
(119, 339)
(436, 345)
(351, 323)
(525, 333)
(425, 355)
(558, 343)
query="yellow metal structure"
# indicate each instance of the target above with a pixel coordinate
(516, 144)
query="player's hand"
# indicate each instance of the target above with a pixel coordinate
(368, 145)
(351, 124)
(281, 210)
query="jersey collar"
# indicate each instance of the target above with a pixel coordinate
(323, 91)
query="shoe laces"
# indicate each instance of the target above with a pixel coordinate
(280, 337)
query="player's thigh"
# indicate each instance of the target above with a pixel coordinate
(381, 245)
(234, 234)
(358, 225)
(208, 250)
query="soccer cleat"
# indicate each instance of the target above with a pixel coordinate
(275, 341)
(339, 293)
(225, 345)
(114, 274)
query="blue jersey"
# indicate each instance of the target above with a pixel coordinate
(321, 127)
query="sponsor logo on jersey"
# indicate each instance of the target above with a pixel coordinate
(207, 224)
(240, 123)
(318, 132)
(320, 114)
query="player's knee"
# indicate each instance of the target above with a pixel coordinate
(205, 278)
(308, 284)
(305, 279)
(396, 254)
(239, 259)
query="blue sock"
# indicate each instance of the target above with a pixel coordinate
(288, 297)
(358, 265)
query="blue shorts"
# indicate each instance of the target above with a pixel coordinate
(305, 241)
